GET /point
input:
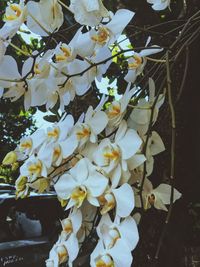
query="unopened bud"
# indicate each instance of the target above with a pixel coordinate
(10, 158)
(21, 183)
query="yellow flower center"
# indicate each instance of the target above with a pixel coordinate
(136, 63)
(78, 195)
(115, 235)
(56, 153)
(54, 133)
(105, 261)
(67, 226)
(113, 154)
(84, 133)
(107, 202)
(102, 36)
(66, 53)
(27, 144)
(114, 111)
(17, 12)
(36, 69)
(35, 168)
(62, 254)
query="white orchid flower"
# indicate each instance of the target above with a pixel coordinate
(33, 168)
(155, 146)
(113, 157)
(63, 251)
(44, 17)
(137, 62)
(88, 12)
(82, 82)
(29, 144)
(117, 110)
(106, 34)
(94, 123)
(141, 114)
(109, 33)
(11, 79)
(158, 197)
(51, 154)
(41, 64)
(159, 4)
(64, 53)
(60, 130)
(59, 143)
(119, 255)
(67, 94)
(98, 71)
(71, 224)
(125, 229)
(121, 198)
(16, 90)
(42, 82)
(80, 183)
(15, 14)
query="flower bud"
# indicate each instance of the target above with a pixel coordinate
(21, 183)
(10, 158)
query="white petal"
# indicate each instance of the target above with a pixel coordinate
(124, 197)
(121, 131)
(157, 145)
(135, 161)
(129, 144)
(68, 146)
(164, 192)
(96, 252)
(27, 100)
(130, 76)
(105, 219)
(76, 219)
(93, 201)
(129, 232)
(27, 66)
(155, 49)
(7, 72)
(72, 247)
(45, 154)
(80, 171)
(121, 254)
(96, 183)
(160, 205)
(122, 15)
(65, 186)
(98, 122)
(115, 176)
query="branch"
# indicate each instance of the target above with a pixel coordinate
(172, 170)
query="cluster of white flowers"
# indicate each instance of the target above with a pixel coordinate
(92, 163)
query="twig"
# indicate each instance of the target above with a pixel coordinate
(172, 170)
(184, 75)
